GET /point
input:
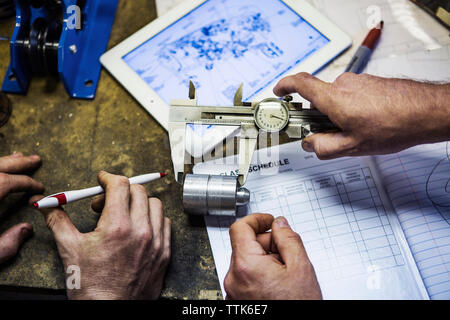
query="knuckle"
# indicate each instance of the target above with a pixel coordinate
(122, 181)
(293, 236)
(303, 76)
(101, 175)
(241, 267)
(4, 179)
(236, 226)
(145, 235)
(343, 78)
(157, 244)
(138, 188)
(120, 231)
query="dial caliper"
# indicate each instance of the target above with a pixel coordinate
(271, 115)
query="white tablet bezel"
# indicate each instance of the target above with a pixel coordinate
(153, 103)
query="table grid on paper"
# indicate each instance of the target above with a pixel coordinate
(339, 216)
(418, 182)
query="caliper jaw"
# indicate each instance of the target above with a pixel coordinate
(298, 131)
(247, 146)
(177, 133)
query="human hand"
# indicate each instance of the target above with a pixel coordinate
(376, 115)
(126, 256)
(269, 265)
(11, 181)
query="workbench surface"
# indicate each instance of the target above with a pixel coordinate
(78, 138)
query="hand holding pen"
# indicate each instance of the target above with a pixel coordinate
(59, 199)
(126, 255)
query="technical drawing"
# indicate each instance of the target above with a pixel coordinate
(219, 40)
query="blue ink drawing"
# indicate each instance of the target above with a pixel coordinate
(220, 40)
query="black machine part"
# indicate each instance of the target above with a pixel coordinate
(7, 9)
(39, 43)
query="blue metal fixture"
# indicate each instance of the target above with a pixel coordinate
(53, 37)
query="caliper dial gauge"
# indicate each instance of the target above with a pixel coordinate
(271, 115)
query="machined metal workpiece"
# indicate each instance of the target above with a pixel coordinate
(213, 195)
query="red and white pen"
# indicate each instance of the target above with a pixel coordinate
(362, 55)
(59, 199)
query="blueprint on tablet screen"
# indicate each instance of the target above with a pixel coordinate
(222, 43)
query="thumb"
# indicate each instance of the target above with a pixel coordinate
(329, 145)
(12, 239)
(61, 226)
(288, 243)
(59, 223)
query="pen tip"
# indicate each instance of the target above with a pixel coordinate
(163, 174)
(35, 205)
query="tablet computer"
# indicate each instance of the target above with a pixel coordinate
(219, 44)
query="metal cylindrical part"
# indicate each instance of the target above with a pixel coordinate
(213, 195)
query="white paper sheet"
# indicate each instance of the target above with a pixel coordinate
(428, 65)
(418, 183)
(418, 179)
(353, 241)
(162, 6)
(407, 29)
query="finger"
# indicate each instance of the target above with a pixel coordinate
(266, 241)
(139, 206)
(289, 243)
(17, 163)
(98, 203)
(59, 224)
(12, 239)
(167, 242)
(309, 87)
(243, 233)
(117, 198)
(277, 257)
(156, 222)
(18, 183)
(330, 145)
(154, 284)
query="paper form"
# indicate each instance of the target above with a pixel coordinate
(418, 183)
(355, 243)
(417, 179)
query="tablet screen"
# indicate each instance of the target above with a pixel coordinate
(221, 44)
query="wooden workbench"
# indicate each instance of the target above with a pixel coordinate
(76, 139)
